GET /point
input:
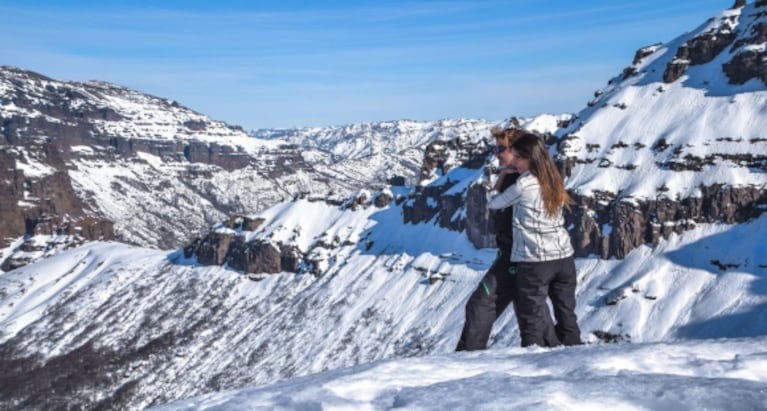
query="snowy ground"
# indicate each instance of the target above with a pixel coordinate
(692, 375)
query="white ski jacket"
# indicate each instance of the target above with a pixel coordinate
(537, 236)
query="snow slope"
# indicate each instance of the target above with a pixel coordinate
(710, 374)
(174, 329)
(639, 127)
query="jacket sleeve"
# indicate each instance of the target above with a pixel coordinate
(508, 197)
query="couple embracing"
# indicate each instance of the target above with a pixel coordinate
(535, 256)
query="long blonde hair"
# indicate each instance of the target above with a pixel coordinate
(531, 147)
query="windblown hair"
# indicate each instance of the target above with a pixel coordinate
(531, 147)
(507, 135)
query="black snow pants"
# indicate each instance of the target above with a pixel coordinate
(535, 282)
(493, 294)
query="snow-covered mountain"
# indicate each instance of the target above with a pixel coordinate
(662, 163)
(677, 139)
(93, 160)
(362, 141)
(107, 325)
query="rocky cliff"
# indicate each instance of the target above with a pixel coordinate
(86, 161)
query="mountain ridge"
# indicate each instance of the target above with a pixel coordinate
(115, 326)
(116, 153)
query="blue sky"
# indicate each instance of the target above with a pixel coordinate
(263, 64)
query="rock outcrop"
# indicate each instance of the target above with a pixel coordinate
(44, 206)
(746, 62)
(611, 227)
(232, 243)
(11, 194)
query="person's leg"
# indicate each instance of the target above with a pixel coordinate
(481, 309)
(533, 316)
(506, 289)
(562, 294)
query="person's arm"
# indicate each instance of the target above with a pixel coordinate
(501, 176)
(508, 197)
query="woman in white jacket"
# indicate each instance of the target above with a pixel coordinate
(541, 250)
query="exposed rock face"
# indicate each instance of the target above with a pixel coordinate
(674, 70)
(702, 49)
(255, 257)
(229, 246)
(465, 210)
(698, 50)
(11, 193)
(479, 223)
(250, 257)
(43, 205)
(431, 200)
(161, 173)
(644, 52)
(586, 234)
(211, 250)
(441, 156)
(746, 64)
(425, 204)
(71, 116)
(612, 224)
(382, 200)
(244, 223)
(229, 242)
(610, 228)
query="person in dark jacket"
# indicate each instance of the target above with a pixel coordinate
(541, 250)
(496, 290)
